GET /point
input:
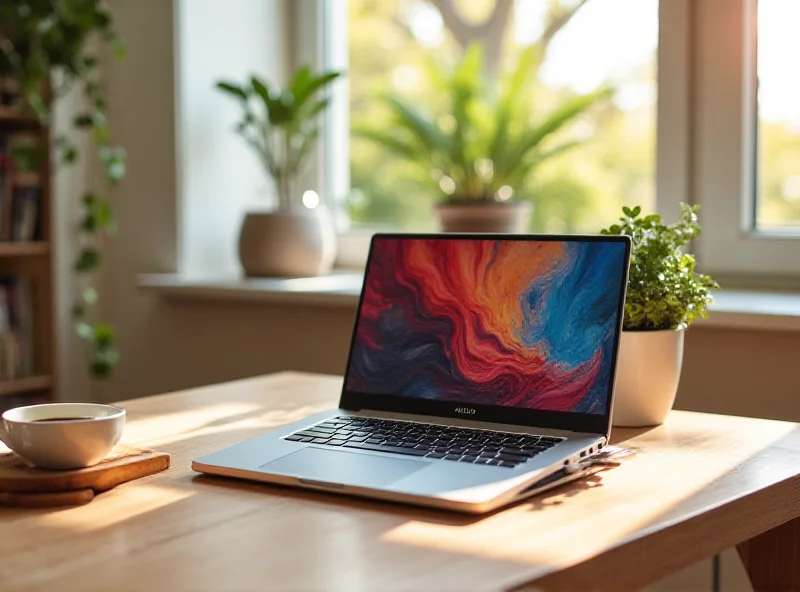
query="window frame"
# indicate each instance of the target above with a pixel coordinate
(725, 139)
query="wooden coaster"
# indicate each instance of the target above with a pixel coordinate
(22, 484)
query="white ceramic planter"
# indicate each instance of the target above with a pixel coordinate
(299, 243)
(648, 372)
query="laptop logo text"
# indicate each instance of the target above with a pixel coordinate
(466, 410)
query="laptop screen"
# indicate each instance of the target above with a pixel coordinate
(524, 323)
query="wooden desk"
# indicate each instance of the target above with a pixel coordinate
(700, 484)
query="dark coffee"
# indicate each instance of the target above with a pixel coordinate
(61, 419)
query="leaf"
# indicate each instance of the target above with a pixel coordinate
(316, 109)
(262, 89)
(84, 331)
(313, 85)
(392, 142)
(554, 122)
(69, 155)
(84, 121)
(120, 50)
(88, 260)
(277, 105)
(103, 334)
(301, 80)
(511, 93)
(233, 89)
(627, 211)
(104, 359)
(90, 295)
(116, 171)
(470, 69)
(421, 128)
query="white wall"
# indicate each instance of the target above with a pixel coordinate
(142, 119)
(189, 179)
(219, 175)
(69, 184)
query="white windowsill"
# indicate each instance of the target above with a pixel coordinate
(771, 311)
(335, 290)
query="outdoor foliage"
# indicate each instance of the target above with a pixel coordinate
(577, 191)
(664, 290)
(47, 48)
(282, 126)
(476, 139)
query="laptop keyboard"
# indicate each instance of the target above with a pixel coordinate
(485, 447)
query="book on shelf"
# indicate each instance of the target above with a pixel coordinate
(10, 98)
(16, 328)
(20, 190)
(26, 200)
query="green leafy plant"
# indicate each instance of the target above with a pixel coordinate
(47, 47)
(478, 144)
(282, 126)
(664, 290)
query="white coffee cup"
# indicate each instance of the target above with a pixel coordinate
(62, 435)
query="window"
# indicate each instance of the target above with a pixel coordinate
(393, 44)
(746, 137)
(778, 189)
(728, 119)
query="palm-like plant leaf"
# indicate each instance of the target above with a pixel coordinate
(513, 92)
(516, 177)
(426, 131)
(307, 87)
(233, 89)
(394, 143)
(554, 122)
(465, 87)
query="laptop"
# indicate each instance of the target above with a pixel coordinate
(479, 366)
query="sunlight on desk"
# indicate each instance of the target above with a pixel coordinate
(615, 517)
(211, 419)
(128, 504)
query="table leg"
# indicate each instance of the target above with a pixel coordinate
(772, 559)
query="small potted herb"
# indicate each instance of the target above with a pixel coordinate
(665, 295)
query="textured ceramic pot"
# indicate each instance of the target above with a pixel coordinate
(298, 243)
(479, 216)
(648, 372)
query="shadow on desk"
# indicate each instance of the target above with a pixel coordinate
(542, 501)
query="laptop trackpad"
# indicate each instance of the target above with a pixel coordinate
(347, 468)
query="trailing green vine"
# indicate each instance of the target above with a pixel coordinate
(48, 47)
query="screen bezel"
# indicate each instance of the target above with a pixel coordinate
(562, 420)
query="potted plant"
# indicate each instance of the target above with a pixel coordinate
(282, 127)
(665, 295)
(476, 148)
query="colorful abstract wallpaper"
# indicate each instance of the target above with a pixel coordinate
(528, 324)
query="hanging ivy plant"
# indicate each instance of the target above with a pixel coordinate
(48, 47)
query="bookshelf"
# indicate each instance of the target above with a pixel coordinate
(27, 373)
